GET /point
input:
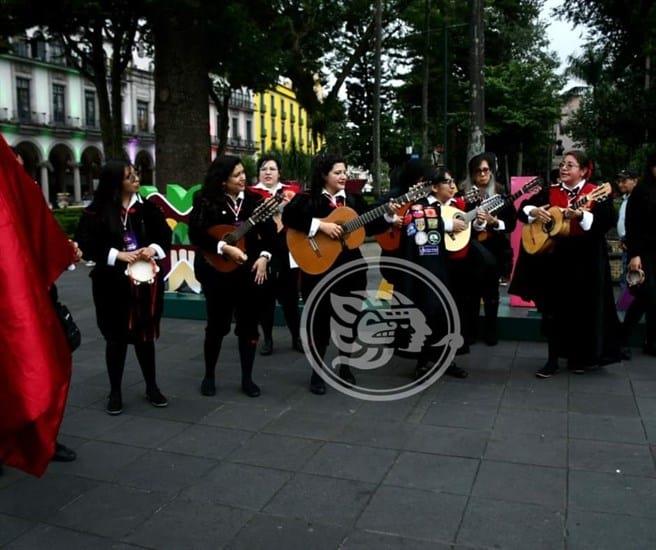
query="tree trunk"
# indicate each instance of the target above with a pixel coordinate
(476, 143)
(377, 86)
(117, 110)
(520, 159)
(224, 117)
(425, 152)
(182, 141)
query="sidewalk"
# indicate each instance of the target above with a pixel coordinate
(499, 460)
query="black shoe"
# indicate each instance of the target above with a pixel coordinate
(208, 387)
(456, 372)
(63, 454)
(421, 370)
(626, 354)
(297, 345)
(156, 398)
(267, 347)
(346, 374)
(547, 371)
(251, 389)
(317, 385)
(114, 404)
(463, 350)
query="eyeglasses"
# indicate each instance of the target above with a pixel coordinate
(568, 165)
(447, 181)
(483, 170)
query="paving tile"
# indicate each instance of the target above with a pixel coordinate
(308, 425)
(548, 423)
(612, 493)
(522, 483)
(92, 423)
(644, 388)
(377, 434)
(596, 531)
(237, 485)
(207, 441)
(435, 472)
(602, 404)
(144, 432)
(459, 416)
(39, 499)
(477, 395)
(351, 462)
(501, 524)
(58, 538)
(321, 499)
(276, 451)
(183, 524)
(163, 472)
(448, 441)
(607, 380)
(243, 417)
(647, 407)
(99, 460)
(528, 449)
(541, 398)
(602, 456)
(264, 532)
(365, 540)
(10, 475)
(414, 513)
(109, 510)
(387, 411)
(606, 428)
(12, 528)
(179, 409)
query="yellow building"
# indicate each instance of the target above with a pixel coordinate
(281, 121)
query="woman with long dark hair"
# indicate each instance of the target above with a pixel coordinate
(118, 229)
(641, 250)
(571, 285)
(225, 200)
(490, 246)
(305, 213)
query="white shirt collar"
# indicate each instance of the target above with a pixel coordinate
(577, 187)
(340, 193)
(260, 185)
(239, 197)
(136, 197)
(432, 199)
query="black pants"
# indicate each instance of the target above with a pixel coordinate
(115, 352)
(282, 286)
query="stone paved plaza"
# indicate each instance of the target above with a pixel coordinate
(500, 460)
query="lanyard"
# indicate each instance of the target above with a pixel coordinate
(235, 211)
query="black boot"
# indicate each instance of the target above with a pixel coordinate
(247, 357)
(346, 374)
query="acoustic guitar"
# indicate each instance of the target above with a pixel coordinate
(538, 236)
(315, 255)
(390, 240)
(235, 235)
(457, 241)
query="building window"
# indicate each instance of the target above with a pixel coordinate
(23, 102)
(249, 130)
(234, 128)
(58, 103)
(90, 108)
(142, 116)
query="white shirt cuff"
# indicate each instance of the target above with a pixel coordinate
(501, 225)
(479, 225)
(448, 225)
(265, 254)
(111, 257)
(527, 211)
(314, 227)
(390, 218)
(219, 247)
(159, 251)
(586, 221)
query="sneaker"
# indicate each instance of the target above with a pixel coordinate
(114, 404)
(547, 371)
(156, 398)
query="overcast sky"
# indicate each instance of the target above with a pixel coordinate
(564, 38)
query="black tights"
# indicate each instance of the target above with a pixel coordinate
(212, 348)
(115, 353)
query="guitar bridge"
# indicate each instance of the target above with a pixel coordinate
(315, 247)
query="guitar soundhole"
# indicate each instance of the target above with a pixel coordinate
(548, 226)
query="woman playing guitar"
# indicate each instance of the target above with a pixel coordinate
(571, 286)
(304, 213)
(224, 200)
(489, 246)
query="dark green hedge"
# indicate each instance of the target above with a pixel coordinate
(68, 219)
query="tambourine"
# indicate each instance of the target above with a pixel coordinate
(635, 277)
(142, 271)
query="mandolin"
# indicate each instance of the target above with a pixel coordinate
(457, 241)
(315, 255)
(538, 236)
(234, 235)
(390, 240)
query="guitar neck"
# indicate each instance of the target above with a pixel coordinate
(241, 230)
(374, 213)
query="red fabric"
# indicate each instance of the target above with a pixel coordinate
(459, 203)
(35, 360)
